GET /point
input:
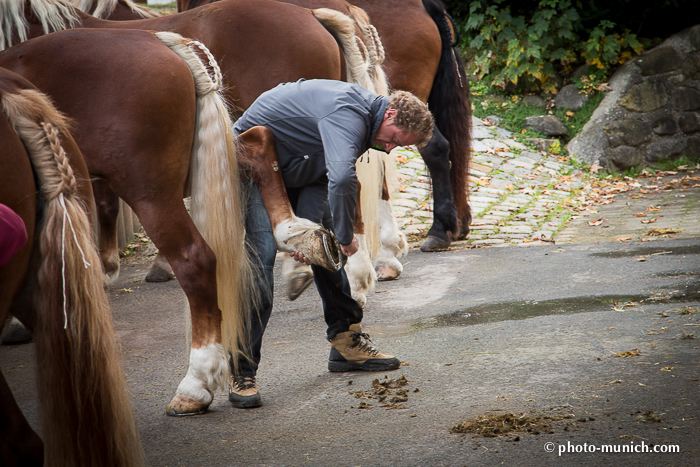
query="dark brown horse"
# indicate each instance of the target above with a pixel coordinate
(417, 37)
(53, 284)
(153, 128)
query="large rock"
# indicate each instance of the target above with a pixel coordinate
(685, 98)
(629, 132)
(645, 97)
(689, 122)
(691, 66)
(692, 148)
(623, 158)
(569, 97)
(546, 124)
(537, 101)
(664, 149)
(664, 125)
(659, 60)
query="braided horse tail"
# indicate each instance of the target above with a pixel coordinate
(217, 208)
(85, 409)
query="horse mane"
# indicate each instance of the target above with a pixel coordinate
(103, 9)
(54, 15)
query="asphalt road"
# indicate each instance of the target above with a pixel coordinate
(533, 331)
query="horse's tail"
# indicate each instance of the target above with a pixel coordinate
(357, 57)
(449, 102)
(104, 8)
(86, 412)
(375, 49)
(370, 172)
(217, 208)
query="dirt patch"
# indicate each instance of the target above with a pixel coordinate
(494, 425)
(391, 394)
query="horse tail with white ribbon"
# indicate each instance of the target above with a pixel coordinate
(216, 207)
(85, 408)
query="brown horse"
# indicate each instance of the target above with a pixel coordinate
(54, 285)
(258, 44)
(417, 38)
(153, 128)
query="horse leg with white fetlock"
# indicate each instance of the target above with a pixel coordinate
(393, 242)
(359, 268)
(258, 160)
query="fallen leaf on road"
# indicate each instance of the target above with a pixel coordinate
(598, 222)
(649, 221)
(623, 239)
(653, 208)
(639, 214)
(628, 353)
(658, 232)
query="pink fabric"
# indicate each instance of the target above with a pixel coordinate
(13, 234)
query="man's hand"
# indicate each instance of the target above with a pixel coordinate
(351, 249)
(299, 257)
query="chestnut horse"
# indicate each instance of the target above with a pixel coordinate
(258, 45)
(417, 38)
(53, 284)
(156, 82)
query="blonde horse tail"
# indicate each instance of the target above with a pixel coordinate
(375, 49)
(105, 8)
(86, 411)
(370, 171)
(356, 55)
(217, 208)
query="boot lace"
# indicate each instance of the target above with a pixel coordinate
(241, 383)
(362, 341)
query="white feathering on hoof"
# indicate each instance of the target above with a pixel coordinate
(361, 273)
(208, 372)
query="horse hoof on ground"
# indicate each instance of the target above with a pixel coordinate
(182, 406)
(387, 272)
(157, 274)
(433, 243)
(15, 333)
(160, 270)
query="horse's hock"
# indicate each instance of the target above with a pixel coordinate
(652, 113)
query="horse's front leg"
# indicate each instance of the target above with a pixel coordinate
(359, 268)
(258, 160)
(436, 156)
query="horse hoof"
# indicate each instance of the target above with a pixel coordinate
(433, 243)
(15, 333)
(361, 299)
(183, 406)
(159, 275)
(386, 273)
(321, 248)
(297, 284)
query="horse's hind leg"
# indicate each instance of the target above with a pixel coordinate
(436, 156)
(173, 232)
(107, 204)
(19, 444)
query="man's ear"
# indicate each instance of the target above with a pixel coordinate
(390, 114)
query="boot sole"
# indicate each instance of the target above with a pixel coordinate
(369, 365)
(250, 403)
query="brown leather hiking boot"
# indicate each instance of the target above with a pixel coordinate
(243, 392)
(351, 351)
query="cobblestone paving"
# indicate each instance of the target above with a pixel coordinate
(517, 195)
(523, 197)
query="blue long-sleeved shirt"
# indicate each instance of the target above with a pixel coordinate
(321, 127)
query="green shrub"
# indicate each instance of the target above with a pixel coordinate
(528, 50)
